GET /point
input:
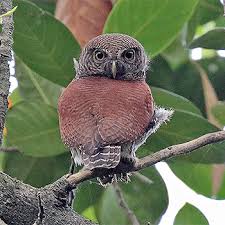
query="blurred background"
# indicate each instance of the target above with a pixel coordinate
(185, 41)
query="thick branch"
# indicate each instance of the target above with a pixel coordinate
(152, 159)
(6, 41)
(19, 203)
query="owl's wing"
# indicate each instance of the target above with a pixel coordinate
(161, 115)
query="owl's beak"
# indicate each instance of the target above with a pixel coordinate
(114, 69)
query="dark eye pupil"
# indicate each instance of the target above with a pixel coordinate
(129, 55)
(99, 55)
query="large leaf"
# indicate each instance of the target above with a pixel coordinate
(34, 87)
(87, 194)
(185, 126)
(15, 97)
(187, 80)
(43, 43)
(36, 171)
(159, 74)
(219, 112)
(154, 23)
(190, 215)
(33, 128)
(206, 11)
(48, 5)
(197, 176)
(209, 10)
(171, 100)
(148, 202)
(213, 39)
(176, 53)
(110, 212)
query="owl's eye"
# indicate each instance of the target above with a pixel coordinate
(129, 55)
(99, 55)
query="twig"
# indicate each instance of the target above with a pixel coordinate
(130, 215)
(164, 154)
(143, 178)
(9, 149)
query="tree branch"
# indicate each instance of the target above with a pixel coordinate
(130, 215)
(152, 159)
(6, 41)
(19, 202)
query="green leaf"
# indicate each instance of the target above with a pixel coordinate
(190, 215)
(37, 172)
(33, 128)
(149, 201)
(154, 23)
(196, 175)
(43, 43)
(109, 209)
(219, 112)
(206, 10)
(209, 10)
(176, 53)
(213, 39)
(47, 5)
(171, 100)
(187, 81)
(33, 87)
(89, 213)
(87, 194)
(185, 126)
(148, 207)
(15, 96)
(159, 74)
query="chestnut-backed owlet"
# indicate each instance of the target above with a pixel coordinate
(108, 110)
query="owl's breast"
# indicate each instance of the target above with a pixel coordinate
(104, 111)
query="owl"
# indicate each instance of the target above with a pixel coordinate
(108, 111)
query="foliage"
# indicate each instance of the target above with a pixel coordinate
(44, 49)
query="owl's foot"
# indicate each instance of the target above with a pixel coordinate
(119, 173)
(109, 179)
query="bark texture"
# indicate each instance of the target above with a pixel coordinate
(6, 41)
(19, 203)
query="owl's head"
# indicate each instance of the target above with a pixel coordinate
(116, 56)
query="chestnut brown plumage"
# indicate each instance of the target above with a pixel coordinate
(108, 111)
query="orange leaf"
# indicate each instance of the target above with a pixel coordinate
(84, 18)
(10, 103)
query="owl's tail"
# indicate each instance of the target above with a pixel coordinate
(106, 157)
